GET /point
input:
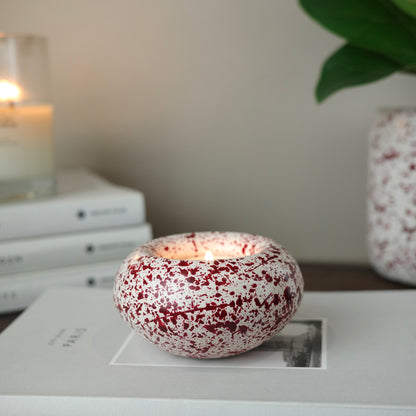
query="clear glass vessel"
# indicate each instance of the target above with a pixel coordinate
(26, 137)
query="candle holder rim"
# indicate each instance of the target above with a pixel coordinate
(203, 261)
(146, 249)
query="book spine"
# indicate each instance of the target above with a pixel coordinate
(19, 291)
(58, 216)
(24, 255)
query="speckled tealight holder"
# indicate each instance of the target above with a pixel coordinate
(200, 308)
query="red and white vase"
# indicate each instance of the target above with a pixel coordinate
(391, 203)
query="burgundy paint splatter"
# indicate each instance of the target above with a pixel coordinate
(208, 309)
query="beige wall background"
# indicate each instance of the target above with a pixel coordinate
(208, 108)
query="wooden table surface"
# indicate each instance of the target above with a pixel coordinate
(317, 278)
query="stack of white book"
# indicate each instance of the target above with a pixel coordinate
(78, 237)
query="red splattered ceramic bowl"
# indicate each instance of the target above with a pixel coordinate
(200, 308)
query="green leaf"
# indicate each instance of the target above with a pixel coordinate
(375, 25)
(350, 66)
(408, 6)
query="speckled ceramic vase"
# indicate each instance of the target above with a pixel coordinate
(391, 204)
(200, 308)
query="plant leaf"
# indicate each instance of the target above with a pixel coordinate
(375, 25)
(350, 66)
(408, 6)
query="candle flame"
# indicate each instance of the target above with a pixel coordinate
(209, 256)
(8, 91)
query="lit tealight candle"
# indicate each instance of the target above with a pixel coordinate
(208, 295)
(9, 92)
(208, 256)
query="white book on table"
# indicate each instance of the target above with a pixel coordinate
(71, 353)
(61, 250)
(19, 290)
(84, 201)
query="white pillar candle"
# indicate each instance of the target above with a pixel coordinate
(26, 139)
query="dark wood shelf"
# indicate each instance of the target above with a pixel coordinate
(327, 277)
(318, 277)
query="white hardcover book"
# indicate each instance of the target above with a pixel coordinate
(71, 353)
(20, 290)
(30, 254)
(83, 201)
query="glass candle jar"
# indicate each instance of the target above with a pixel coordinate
(26, 139)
